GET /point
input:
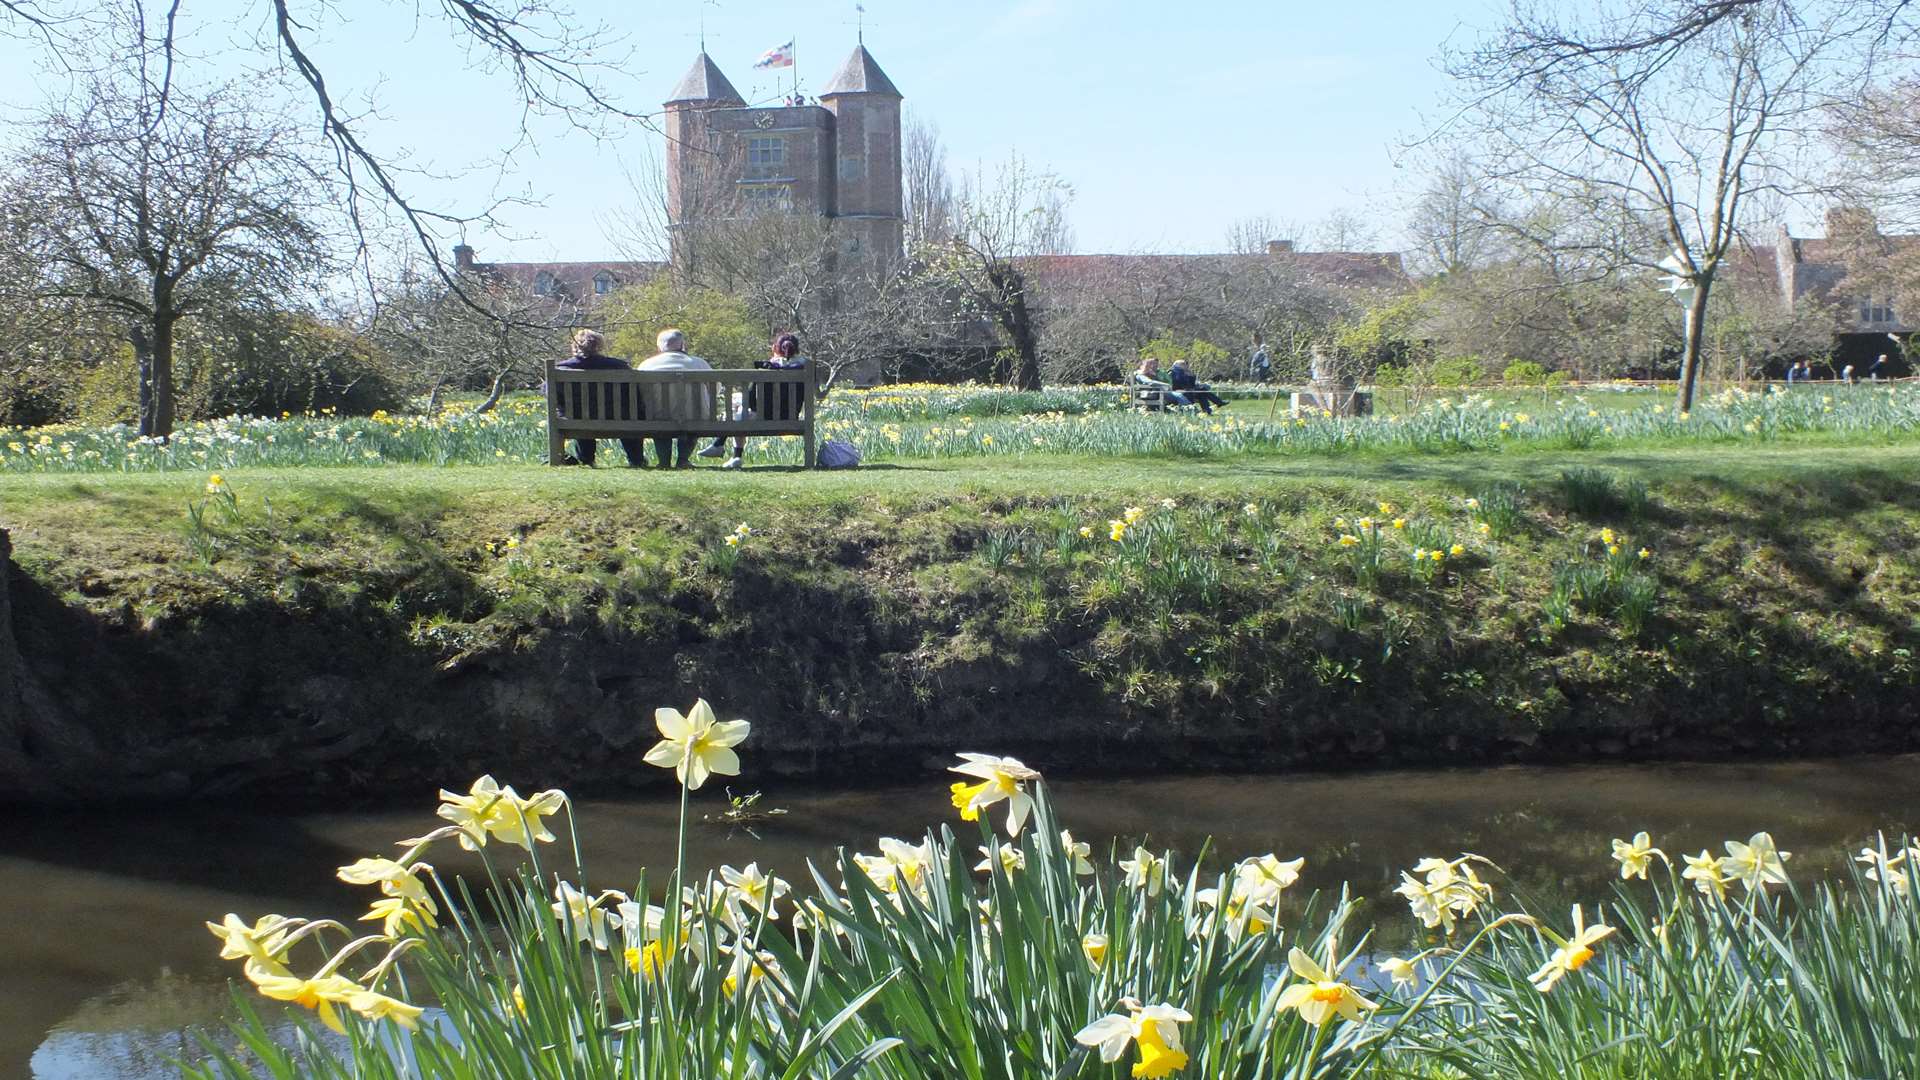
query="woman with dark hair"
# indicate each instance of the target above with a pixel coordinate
(786, 357)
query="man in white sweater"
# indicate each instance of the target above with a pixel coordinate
(676, 402)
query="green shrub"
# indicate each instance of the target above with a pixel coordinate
(1524, 373)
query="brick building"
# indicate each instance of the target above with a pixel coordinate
(839, 159)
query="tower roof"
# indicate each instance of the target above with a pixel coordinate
(860, 75)
(704, 84)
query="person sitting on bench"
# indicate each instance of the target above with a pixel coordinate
(1150, 391)
(588, 356)
(1193, 389)
(786, 357)
(676, 402)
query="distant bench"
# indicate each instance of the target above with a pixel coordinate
(625, 404)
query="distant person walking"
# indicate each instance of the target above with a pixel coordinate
(1878, 369)
(1260, 368)
(676, 402)
(588, 356)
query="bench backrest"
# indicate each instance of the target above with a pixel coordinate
(614, 402)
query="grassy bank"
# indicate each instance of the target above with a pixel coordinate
(349, 626)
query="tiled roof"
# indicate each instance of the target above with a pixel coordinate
(1352, 269)
(860, 75)
(703, 83)
(574, 279)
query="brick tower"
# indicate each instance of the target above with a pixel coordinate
(697, 160)
(867, 173)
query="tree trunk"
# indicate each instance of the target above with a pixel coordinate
(142, 344)
(1011, 287)
(1690, 354)
(433, 397)
(163, 375)
(493, 395)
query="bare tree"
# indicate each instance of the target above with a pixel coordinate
(1344, 229)
(1020, 213)
(1679, 136)
(155, 204)
(928, 186)
(1453, 227)
(442, 341)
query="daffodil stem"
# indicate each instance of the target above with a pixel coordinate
(679, 872)
(1419, 1002)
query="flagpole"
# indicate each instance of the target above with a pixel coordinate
(796, 66)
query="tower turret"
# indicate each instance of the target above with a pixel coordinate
(867, 198)
(696, 180)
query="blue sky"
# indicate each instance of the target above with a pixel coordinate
(1171, 121)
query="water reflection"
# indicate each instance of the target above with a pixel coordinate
(117, 964)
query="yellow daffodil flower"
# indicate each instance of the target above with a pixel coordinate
(1001, 779)
(394, 878)
(1572, 954)
(1347, 540)
(1891, 870)
(1132, 514)
(1086, 532)
(1011, 859)
(586, 918)
(1635, 856)
(263, 944)
(1322, 996)
(319, 994)
(1402, 972)
(1079, 853)
(1250, 510)
(1457, 550)
(1095, 947)
(378, 1006)
(898, 863)
(1756, 863)
(1156, 1028)
(491, 811)
(1386, 508)
(1607, 536)
(1707, 874)
(1399, 523)
(1645, 554)
(1145, 871)
(758, 890)
(697, 745)
(395, 914)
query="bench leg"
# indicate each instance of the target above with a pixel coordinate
(807, 453)
(556, 444)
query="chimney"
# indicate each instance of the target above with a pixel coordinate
(1279, 247)
(462, 257)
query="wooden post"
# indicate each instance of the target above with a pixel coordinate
(556, 446)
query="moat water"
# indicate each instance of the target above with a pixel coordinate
(106, 967)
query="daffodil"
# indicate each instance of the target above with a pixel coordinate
(899, 863)
(1645, 554)
(320, 994)
(1401, 971)
(1572, 954)
(1086, 532)
(1079, 853)
(1386, 508)
(1095, 947)
(1266, 875)
(1011, 859)
(756, 889)
(584, 917)
(263, 944)
(1607, 537)
(1132, 514)
(1322, 996)
(395, 914)
(1349, 541)
(1457, 550)
(697, 745)
(378, 1006)
(1156, 1028)
(1001, 779)
(1145, 871)
(1756, 863)
(489, 810)
(1707, 874)
(394, 878)
(1399, 523)
(1635, 856)
(1450, 890)
(1891, 870)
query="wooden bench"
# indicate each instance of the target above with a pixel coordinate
(619, 403)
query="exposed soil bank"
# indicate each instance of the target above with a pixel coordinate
(354, 640)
